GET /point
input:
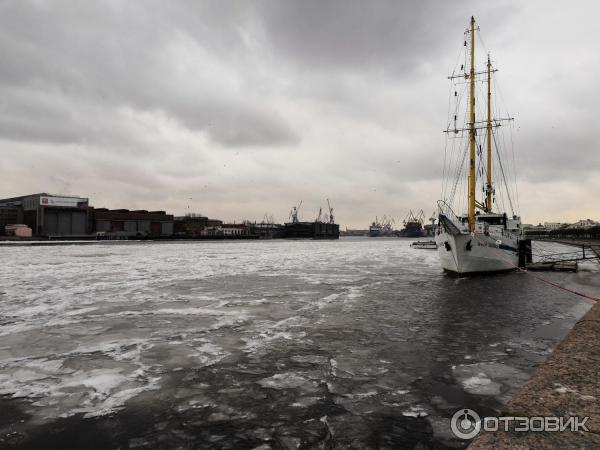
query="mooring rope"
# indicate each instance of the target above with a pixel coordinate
(544, 280)
(581, 294)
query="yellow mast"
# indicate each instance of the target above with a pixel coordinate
(472, 132)
(488, 202)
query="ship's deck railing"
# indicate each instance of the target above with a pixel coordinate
(445, 209)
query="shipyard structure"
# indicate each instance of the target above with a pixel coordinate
(47, 216)
(323, 227)
(413, 226)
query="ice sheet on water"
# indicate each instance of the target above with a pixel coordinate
(63, 385)
(209, 354)
(416, 411)
(481, 384)
(288, 380)
(266, 332)
(63, 392)
(311, 359)
(304, 402)
(364, 394)
(200, 311)
(81, 311)
(119, 319)
(488, 378)
(351, 365)
(345, 296)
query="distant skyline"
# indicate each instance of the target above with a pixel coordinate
(235, 109)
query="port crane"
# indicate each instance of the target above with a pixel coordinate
(331, 219)
(414, 218)
(433, 218)
(268, 219)
(319, 217)
(294, 212)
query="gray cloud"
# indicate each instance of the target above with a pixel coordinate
(357, 35)
(123, 56)
(248, 107)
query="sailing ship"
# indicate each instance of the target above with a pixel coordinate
(486, 238)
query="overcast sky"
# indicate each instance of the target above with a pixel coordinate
(234, 109)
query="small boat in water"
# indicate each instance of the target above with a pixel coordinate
(486, 239)
(426, 245)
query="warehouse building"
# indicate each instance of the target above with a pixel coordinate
(195, 225)
(49, 215)
(126, 223)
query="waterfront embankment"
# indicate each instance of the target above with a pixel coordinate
(566, 385)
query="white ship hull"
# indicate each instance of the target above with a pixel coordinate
(464, 254)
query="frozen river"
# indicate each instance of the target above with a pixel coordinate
(360, 343)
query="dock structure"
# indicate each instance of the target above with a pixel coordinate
(566, 385)
(592, 244)
(567, 261)
(556, 266)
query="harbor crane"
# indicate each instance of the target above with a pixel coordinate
(433, 218)
(414, 218)
(387, 224)
(294, 212)
(268, 219)
(331, 219)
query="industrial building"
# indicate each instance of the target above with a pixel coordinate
(194, 225)
(62, 216)
(233, 230)
(311, 230)
(126, 223)
(48, 215)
